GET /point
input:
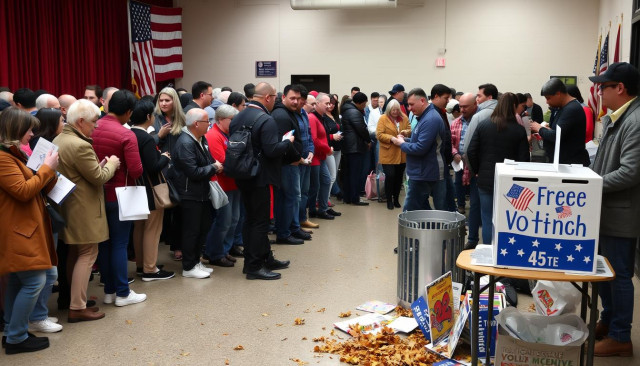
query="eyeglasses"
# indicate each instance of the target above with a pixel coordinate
(604, 86)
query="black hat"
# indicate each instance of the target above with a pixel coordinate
(619, 71)
(396, 88)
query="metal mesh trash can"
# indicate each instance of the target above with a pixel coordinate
(428, 244)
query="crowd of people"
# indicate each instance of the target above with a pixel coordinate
(310, 149)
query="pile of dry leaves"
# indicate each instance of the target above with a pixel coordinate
(381, 349)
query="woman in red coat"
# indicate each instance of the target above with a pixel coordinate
(26, 244)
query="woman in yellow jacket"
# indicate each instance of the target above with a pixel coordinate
(26, 240)
(391, 124)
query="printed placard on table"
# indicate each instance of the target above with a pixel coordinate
(439, 295)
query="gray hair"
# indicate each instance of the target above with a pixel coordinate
(225, 111)
(322, 95)
(393, 104)
(216, 93)
(196, 114)
(106, 91)
(82, 109)
(43, 101)
(6, 96)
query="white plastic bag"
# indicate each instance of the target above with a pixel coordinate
(563, 330)
(554, 298)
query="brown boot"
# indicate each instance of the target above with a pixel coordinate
(84, 315)
(309, 225)
(610, 347)
(601, 330)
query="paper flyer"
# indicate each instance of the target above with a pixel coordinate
(439, 295)
(376, 306)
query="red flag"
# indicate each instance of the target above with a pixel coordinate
(616, 53)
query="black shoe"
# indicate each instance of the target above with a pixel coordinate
(396, 204)
(160, 275)
(140, 271)
(276, 264)
(289, 241)
(325, 216)
(131, 279)
(360, 203)
(301, 235)
(4, 338)
(470, 245)
(31, 344)
(332, 212)
(236, 252)
(313, 214)
(263, 274)
(510, 294)
(389, 205)
(221, 262)
(91, 303)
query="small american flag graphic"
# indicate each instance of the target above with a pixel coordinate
(563, 212)
(520, 197)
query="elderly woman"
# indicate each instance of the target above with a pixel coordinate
(26, 242)
(169, 120)
(221, 236)
(84, 209)
(391, 124)
(146, 233)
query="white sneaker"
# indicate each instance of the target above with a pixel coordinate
(133, 298)
(44, 326)
(53, 319)
(195, 272)
(203, 268)
(109, 298)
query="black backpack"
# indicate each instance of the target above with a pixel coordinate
(240, 162)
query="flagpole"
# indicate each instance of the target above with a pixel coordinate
(130, 43)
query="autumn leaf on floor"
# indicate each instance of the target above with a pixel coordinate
(226, 362)
(319, 339)
(238, 348)
(307, 311)
(265, 314)
(298, 321)
(183, 353)
(299, 361)
(304, 338)
(129, 322)
(400, 311)
(322, 310)
(346, 314)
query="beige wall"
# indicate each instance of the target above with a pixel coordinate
(515, 44)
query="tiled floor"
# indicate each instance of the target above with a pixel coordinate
(199, 322)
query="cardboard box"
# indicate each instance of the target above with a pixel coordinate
(547, 220)
(514, 352)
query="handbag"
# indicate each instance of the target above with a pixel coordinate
(370, 187)
(161, 193)
(217, 195)
(132, 202)
(57, 221)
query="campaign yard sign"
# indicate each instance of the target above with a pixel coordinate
(546, 220)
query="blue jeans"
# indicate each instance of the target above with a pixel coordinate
(474, 212)
(305, 181)
(460, 190)
(617, 295)
(220, 237)
(113, 253)
(287, 200)
(23, 289)
(418, 195)
(486, 213)
(41, 310)
(335, 187)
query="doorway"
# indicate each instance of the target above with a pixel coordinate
(320, 83)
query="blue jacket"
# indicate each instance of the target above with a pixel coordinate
(424, 160)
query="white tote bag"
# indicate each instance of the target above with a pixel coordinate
(217, 195)
(132, 202)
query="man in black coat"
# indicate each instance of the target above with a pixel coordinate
(287, 197)
(534, 110)
(194, 167)
(356, 143)
(269, 147)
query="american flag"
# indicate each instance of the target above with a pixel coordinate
(593, 91)
(563, 212)
(520, 197)
(604, 64)
(156, 45)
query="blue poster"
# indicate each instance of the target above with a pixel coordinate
(266, 69)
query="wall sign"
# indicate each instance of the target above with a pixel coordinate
(266, 69)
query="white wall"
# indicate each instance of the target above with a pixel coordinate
(515, 44)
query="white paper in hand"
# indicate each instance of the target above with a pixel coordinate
(457, 166)
(39, 153)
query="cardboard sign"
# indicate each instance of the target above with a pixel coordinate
(421, 314)
(546, 220)
(511, 351)
(439, 294)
